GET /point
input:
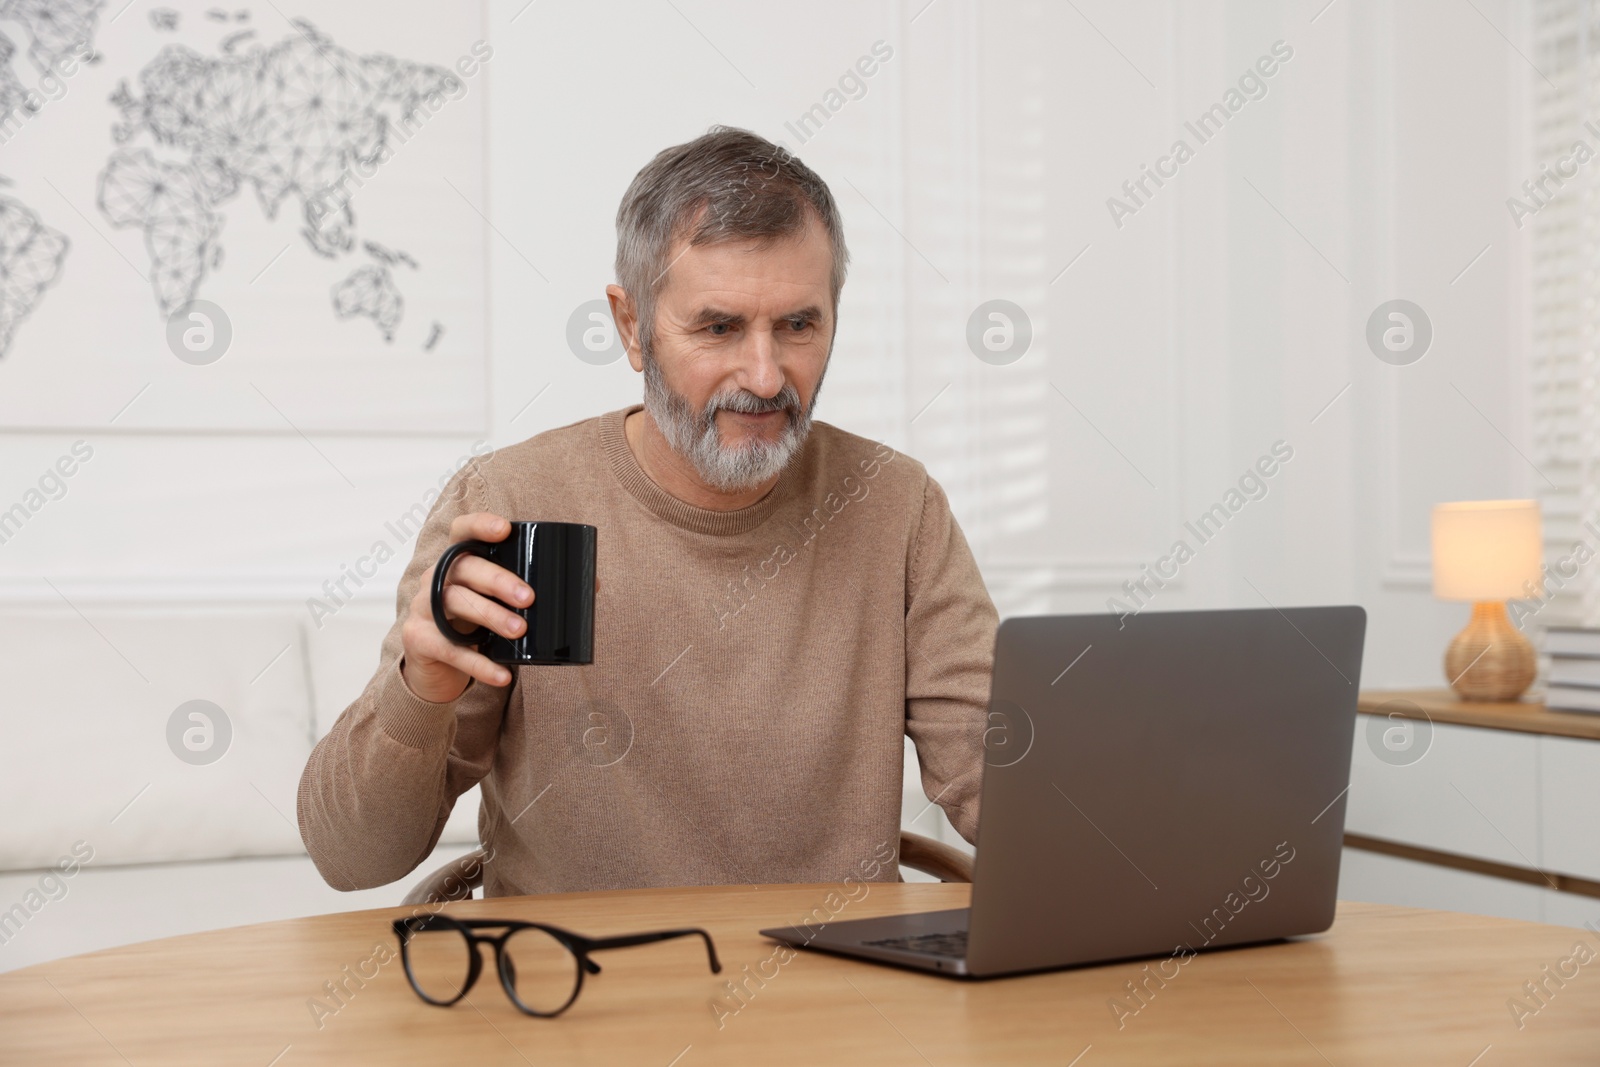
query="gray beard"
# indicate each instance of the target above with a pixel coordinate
(695, 436)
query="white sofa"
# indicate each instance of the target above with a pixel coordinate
(90, 696)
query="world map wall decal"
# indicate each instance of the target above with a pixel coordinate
(286, 121)
(314, 175)
(31, 253)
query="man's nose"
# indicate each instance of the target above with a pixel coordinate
(762, 374)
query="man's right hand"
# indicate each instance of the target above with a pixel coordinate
(437, 669)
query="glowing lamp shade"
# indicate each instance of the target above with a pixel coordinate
(1488, 552)
(1486, 549)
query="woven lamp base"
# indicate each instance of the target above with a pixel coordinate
(1490, 660)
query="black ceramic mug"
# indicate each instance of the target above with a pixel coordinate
(557, 561)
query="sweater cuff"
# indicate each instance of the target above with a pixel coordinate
(410, 720)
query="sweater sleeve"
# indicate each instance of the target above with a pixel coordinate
(376, 792)
(950, 630)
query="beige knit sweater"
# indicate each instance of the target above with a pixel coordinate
(755, 673)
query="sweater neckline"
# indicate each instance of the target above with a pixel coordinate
(625, 466)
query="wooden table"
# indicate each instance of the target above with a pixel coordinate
(1385, 985)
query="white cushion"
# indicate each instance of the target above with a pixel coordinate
(87, 756)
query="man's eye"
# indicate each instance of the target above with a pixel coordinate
(799, 324)
(719, 329)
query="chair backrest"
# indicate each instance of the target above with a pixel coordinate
(457, 879)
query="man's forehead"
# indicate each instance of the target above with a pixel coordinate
(739, 277)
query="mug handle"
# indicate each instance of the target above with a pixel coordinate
(440, 571)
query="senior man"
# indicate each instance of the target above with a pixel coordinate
(780, 602)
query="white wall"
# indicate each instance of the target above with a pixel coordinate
(977, 165)
(1192, 338)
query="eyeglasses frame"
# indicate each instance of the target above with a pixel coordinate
(577, 944)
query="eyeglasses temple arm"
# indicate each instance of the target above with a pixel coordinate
(629, 940)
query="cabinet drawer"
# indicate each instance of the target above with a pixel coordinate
(1570, 802)
(1389, 880)
(1462, 789)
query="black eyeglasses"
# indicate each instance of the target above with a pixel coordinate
(540, 966)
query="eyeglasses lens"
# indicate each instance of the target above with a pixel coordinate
(439, 961)
(543, 974)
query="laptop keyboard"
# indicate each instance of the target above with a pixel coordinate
(952, 944)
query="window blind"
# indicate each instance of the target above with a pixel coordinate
(1564, 254)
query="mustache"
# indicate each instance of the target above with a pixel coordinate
(748, 403)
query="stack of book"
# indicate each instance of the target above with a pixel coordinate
(1574, 679)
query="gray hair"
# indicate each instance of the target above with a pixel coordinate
(727, 184)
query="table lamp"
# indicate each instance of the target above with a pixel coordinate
(1487, 551)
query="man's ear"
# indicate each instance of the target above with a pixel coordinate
(625, 316)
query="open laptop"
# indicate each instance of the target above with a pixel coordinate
(1155, 784)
